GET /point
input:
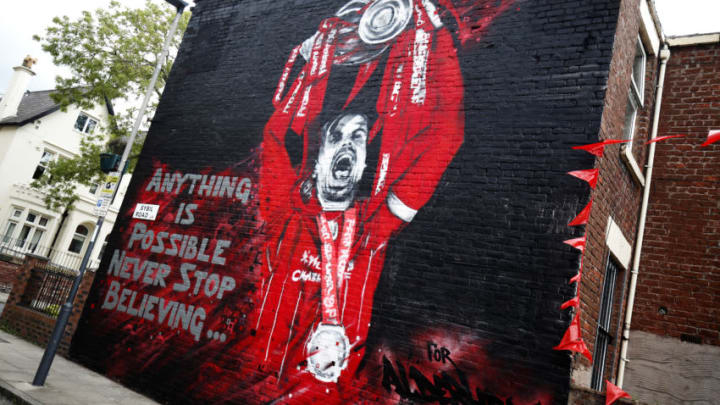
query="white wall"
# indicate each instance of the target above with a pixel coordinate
(20, 151)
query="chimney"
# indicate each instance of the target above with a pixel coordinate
(15, 90)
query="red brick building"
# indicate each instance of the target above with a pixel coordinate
(612, 229)
(668, 315)
(673, 350)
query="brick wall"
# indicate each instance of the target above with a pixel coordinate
(33, 325)
(584, 396)
(465, 298)
(7, 274)
(618, 195)
(679, 283)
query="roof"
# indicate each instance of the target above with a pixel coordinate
(694, 39)
(34, 104)
(37, 104)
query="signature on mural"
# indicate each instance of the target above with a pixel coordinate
(442, 388)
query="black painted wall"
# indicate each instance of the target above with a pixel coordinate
(481, 269)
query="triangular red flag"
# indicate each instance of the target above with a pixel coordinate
(582, 217)
(662, 138)
(578, 276)
(613, 393)
(713, 136)
(583, 349)
(589, 175)
(598, 148)
(577, 243)
(571, 303)
(572, 334)
(573, 341)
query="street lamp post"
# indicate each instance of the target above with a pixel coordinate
(66, 309)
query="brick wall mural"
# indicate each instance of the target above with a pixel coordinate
(359, 202)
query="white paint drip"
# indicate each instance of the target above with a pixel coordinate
(362, 294)
(277, 310)
(262, 306)
(282, 363)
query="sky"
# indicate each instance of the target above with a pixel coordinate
(20, 20)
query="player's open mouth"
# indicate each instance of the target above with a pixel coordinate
(342, 165)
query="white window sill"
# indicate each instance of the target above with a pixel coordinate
(629, 160)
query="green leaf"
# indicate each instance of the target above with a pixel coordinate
(111, 54)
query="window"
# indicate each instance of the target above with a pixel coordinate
(31, 233)
(85, 124)
(636, 93)
(12, 224)
(46, 158)
(603, 331)
(78, 240)
(9, 230)
(638, 75)
(630, 115)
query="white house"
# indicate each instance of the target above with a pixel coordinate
(34, 131)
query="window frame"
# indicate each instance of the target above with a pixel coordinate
(8, 233)
(43, 163)
(35, 230)
(78, 237)
(635, 101)
(603, 336)
(638, 89)
(86, 124)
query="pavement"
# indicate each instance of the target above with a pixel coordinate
(67, 384)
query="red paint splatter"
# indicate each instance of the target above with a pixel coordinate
(474, 17)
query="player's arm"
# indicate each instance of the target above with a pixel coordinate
(426, 155)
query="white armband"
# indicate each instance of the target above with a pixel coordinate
(399, 208)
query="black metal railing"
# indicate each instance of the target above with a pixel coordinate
(52, 274)
(47, 290)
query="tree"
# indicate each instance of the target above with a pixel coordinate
(111, 55)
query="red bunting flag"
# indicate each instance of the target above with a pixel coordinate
(582, 217)
(578, 276)
(573, 341)
(571, 303)
(598, 148)
(662, 138)
(713, 136)
(589, 175)
(577, 243)
(613, 393)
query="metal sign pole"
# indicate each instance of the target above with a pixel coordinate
(66, 309)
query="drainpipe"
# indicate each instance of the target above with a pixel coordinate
(664, 56)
